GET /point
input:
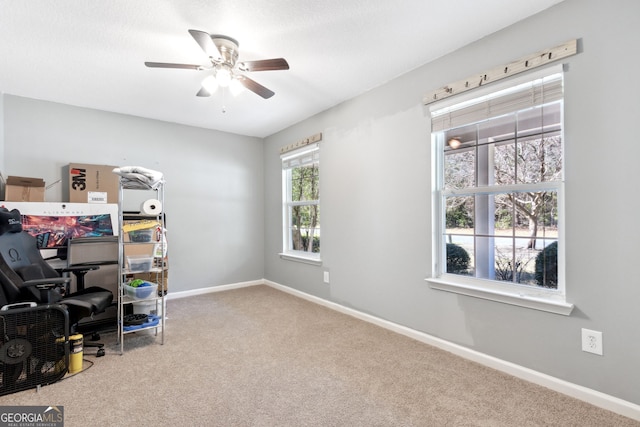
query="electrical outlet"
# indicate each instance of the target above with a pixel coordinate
(326, 277)
(592, 341)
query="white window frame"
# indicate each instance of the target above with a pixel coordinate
(308, 155)
(550, 300)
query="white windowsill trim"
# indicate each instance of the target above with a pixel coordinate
(299, 258)
(504, 296)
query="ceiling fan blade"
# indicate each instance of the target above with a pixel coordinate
(204, 40)
(255, 87)
(170, 65)
(203, 92)
(264, 65)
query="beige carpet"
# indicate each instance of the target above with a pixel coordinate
(260, 357)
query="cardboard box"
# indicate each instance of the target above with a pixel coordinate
(24, 189)
(146, 249)
(92, 183)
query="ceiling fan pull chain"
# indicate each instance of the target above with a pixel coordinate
(224, 100)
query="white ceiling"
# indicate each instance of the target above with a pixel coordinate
(91, 53)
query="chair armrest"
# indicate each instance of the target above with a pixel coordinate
(79, 268)
(47, 283)
(46, 290)
(18, 305)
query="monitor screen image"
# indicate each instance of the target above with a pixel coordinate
(55, 223)
(55, 231)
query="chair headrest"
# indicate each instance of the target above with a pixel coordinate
(10, 221)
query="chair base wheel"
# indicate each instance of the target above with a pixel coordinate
(100, 352)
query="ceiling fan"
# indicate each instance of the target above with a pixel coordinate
(226, 71)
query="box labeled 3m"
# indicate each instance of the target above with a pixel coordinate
(90, 183)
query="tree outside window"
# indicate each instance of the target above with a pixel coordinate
(301, 179)
(500, 180)
(305, 212)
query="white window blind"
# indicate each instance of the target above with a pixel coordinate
(301, 157)
(534, 93)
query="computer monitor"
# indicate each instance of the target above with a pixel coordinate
(55, 231)
(53, 224)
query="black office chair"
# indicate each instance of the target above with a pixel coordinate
(25, 276)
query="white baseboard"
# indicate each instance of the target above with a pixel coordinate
(596, 398)
(201, 291)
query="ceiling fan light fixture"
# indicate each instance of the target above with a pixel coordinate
(210, 84)
(224, 70)
(223, 76)
(235, 87)
(454, 143)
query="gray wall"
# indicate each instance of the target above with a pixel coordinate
(376, 206)
(214, 190)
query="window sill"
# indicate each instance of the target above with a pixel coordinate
(536, 299)
(308, 259)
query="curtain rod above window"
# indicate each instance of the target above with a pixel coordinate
(310, 140)
(523, 64)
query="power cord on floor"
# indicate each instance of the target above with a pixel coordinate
(84, 369)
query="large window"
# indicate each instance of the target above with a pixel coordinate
(498, 190)
(301, 206)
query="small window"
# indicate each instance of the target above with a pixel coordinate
(301, 206)
(499, 188)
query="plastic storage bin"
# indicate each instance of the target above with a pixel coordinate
(141, 236)
(142, 292)
(139, 263)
